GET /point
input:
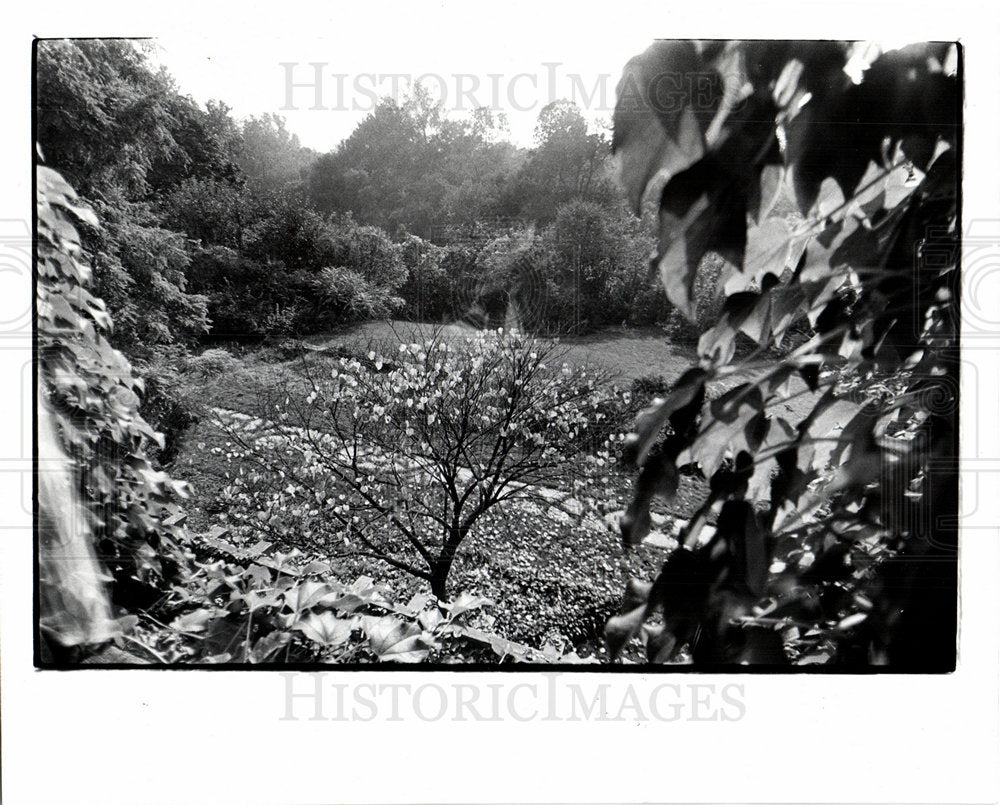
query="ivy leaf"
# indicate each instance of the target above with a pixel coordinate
(718, 344)
(326, 629)
(269, 645)
(725, 426)
(258, 575)
(466, 602)
(700, 211)
(429, 619)
(307, 594)
(768, 249)
(688, 391)
(361, 593)
(257, 600)
(395, 640)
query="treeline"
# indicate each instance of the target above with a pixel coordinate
(218, 228)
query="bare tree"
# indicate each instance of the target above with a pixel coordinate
(404, 453)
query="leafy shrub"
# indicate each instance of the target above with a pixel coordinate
(94, 397)
(596, 268)
(212, 362)
(164, 405)
(822, 548)
(430, 288)
(299, 274)
(344, 295)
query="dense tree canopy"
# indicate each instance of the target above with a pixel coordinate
(233, 229)
(406, 165)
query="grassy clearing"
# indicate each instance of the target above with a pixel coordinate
(623, 354)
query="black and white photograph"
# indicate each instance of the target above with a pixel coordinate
(679, 385)
(635, 372)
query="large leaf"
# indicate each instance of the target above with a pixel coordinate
(308, 594)
(656, 128)
(395, 640)
(688, 391)
(466, 602)
(726, 426)
(700, 211)
(768, 249)
(326, 628)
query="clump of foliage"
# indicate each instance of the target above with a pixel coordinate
(94, 399)
(594, 266)
(586, 269)
(830, 544)
(164, 406)
(253, 605)
(122, 133)
(399, 455)
(430, 288)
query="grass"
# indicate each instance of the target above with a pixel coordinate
(624, 354)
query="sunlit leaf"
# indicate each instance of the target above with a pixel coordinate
(326, 628)
(394, 639)
(699, 212)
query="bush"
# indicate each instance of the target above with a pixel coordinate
(344, 295)
(164, 405)
(431, 284)
(212, 362)
(299, 275)
(595, 266)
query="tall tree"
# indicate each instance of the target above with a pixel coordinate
(568, 162)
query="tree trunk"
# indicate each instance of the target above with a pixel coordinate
(439, 580)
(443, 563)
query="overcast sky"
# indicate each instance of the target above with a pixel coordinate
(508, 62)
